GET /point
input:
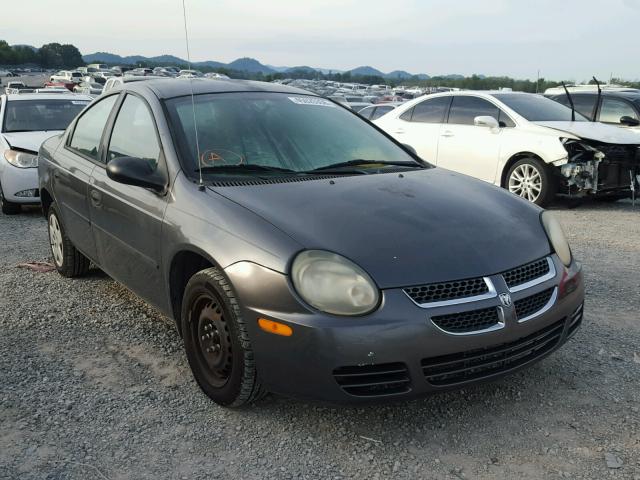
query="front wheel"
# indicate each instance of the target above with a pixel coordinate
(217, 342)
(8, 208)
(67, 259)
(532, 180)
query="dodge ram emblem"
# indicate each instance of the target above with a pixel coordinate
(505, 298)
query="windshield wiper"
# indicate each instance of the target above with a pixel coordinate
(362, 162)
(245, 167)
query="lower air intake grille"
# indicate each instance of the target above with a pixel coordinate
(575, 320)
(526, 273)
(374, 380)
(467, 322)
(439, 292)
(530, 305)
(464, 367)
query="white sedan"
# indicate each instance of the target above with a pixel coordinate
(529, 144)
(27, 120)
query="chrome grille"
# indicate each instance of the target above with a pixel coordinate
(526, 273)
(530, 305)
(467, 322)
(444, 291)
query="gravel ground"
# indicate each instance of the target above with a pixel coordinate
(95, 384)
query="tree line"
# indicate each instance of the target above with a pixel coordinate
(51, 55)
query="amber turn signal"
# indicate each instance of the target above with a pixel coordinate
(275, 327)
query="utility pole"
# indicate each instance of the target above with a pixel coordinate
(538, 81)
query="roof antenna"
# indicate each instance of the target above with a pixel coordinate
(193, 103)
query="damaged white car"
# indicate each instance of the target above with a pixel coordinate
(533, 146)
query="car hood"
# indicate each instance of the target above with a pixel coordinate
(596, 131)
(29, 140)
(421, 227)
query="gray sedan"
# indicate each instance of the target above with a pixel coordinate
(300, 249)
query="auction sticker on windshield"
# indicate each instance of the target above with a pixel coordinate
(322, 102)
(80, 102)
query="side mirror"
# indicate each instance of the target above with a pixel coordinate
(629, 121)
(137, 172)
(410, 148)
(486, 121)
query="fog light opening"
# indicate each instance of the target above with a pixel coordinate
(276, 328)
(31, 193)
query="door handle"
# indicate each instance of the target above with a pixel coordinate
(447, 133)
(96, 198)
(400, 130)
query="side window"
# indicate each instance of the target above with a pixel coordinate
(368, 112)
(465, 109)
(89, 127)
(380, 111)
(431, 110)
(406, 116)
(134, 133)
(505, 120)
(613, 109)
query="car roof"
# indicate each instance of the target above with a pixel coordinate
(46, 96)
(177, 87)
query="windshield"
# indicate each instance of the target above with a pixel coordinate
(538, 109)
(40, 115)
(294, 132)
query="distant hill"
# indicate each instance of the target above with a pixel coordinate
(366, 71)
(249, 65)
(246, 64)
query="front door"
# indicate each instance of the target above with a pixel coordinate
(127, 220)
(71, 184)
(465, 147)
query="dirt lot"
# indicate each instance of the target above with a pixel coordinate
(94, 384)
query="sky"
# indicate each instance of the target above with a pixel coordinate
(564, 39)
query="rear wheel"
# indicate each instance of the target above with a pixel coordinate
(531, 179)
(216, 341)
(8, 208)
(67, 259)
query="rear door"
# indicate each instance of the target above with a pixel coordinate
(127, 220)
(72, 172)
(420, 126)
(465, 147)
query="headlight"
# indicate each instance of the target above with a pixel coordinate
(333, 284)
(556, 236)
(21, 159)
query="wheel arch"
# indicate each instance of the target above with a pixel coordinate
(185, 263)
(45, 200)
(513, 159)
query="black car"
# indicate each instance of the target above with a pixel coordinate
(300, 249)
(619, 107)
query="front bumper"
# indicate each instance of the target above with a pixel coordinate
(15, 180)
(397, 352)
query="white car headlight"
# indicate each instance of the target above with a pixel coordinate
(21, 159)
(333, 284)
(556, 236)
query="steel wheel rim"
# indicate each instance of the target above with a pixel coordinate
(525, 181)
(55, 240)
(212, 339)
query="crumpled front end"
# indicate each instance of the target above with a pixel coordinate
(595, 168)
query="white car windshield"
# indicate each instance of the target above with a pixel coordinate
(538, 109)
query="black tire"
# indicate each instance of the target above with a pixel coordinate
(544, 179)
(68, 261)
(217, 342)
(8, 208)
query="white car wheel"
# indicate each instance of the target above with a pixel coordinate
(526, 181)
